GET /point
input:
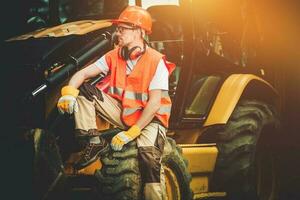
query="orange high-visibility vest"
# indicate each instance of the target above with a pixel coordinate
(133, 90)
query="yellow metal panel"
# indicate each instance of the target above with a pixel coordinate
(199, 184)
(202, 158)
(228, 97)
(189, 136)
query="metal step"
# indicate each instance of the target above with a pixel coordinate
(210, 195)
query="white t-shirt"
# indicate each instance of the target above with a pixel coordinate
(160, 79)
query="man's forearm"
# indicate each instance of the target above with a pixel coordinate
(77, 79)
(148, 114)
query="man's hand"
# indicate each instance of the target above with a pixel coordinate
(67, 102)
(124, 137)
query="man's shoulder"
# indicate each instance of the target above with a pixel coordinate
(154, 52)
(112, 52)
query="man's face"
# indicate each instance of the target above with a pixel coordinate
(126, 34)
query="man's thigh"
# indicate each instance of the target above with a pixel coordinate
(110, 109)
(152, 135)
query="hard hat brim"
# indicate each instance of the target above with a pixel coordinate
(117, 21)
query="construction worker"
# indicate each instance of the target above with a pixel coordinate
(137, 99)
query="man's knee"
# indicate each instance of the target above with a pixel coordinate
(150, 161)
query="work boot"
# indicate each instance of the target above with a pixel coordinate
(91, 152)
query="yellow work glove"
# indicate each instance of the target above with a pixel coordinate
(67, 102)
(124, 137)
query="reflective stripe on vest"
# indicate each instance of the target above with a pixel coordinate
(130, 111)
(136, 96)
(142, 96)
(115, 90)
(132, 90)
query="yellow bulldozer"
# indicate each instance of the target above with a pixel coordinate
(224, 120)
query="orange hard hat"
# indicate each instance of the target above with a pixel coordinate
(136, 16)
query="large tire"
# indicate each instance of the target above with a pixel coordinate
(245, 151)
(120, 177)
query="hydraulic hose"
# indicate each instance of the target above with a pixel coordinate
(73, 64)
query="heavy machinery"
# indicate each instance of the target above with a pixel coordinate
(223, 113)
